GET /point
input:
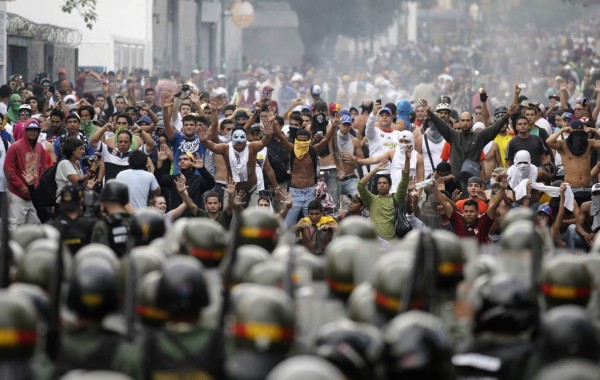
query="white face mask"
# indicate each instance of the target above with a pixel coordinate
(524, 170)
(238, 137)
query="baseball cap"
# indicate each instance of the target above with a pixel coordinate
(356, 198)
(567, 115)
(479, 126)
(297, 109)
(196, 71)
(25, 107)
(346, 119)
(474, 179)
(240, 113)
(254, 127)
(144, 119)
(315, 89)
(554, 96)
(545, 209)
(45, 82)
(596, 188)
(576, 124)
(32, 124)
(267, 88)
(386, 109)
(500, 109)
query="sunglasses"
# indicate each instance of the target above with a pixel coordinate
(24, 113)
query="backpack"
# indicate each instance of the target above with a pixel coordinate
(47, 187)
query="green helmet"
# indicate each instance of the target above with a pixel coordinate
(146, 307)
(35, 294)
(182, 289)
(357, 226)
(259, 227)
(391, 274)
(305, 261)
(18, 322)
(93, 292)
(38, 265)
(416, 334)
(206, 241)
(97, 250)
(566, 280)
(268, 273)
(147, 224)
(174, 239)
(480, 265)
(361, 305)
(264, 318)
(340, 265)
(354, 348)
(517, 214)
(146, 259)
(519, 236)
(569, 369)
(27, 234)
(306, 367)
(246, 257)
(450, 259)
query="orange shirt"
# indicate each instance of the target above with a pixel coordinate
(482, 206)
(445, 155)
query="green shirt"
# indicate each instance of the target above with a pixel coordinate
(381, 208)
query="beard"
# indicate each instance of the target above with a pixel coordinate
(577, 142)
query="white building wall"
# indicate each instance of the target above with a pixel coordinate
(121, 25)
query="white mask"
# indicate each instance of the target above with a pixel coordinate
(524, 170)
(238, 137)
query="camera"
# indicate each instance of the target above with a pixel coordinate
(88, 160)
(185, 87)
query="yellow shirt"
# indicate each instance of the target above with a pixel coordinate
(324, 220)
(502, 141)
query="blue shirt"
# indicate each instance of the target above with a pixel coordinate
(181, 145)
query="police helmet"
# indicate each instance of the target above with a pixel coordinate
(18, 322)
(357, 226)
(115, 191)
(146, 307)
(259, 227)
(340, 265)
(306, 367)
(93, 290)
(206, 241)
(147, 225)
(566, 280)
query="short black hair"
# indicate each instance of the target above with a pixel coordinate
(280, 121)
(315, 205)
(386, 176)
(90, 109)
(297, 118)
(58, 112)
(225, 122)
(211, 194)
(189, 117)
(471, 202)
(320, 106)
(146, 91)
(137, 160)
(70, 145)
(228, 107)
(124, 115)
(30, 99)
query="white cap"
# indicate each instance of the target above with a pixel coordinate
(479, 126)
(315, 89)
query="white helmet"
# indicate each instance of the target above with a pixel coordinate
(443, 107)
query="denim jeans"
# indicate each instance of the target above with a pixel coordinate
(302, 198)
(330, 176)
(349, 186)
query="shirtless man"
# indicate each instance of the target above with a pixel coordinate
(360, 122)
(348, 144)
(491, 152)
(303, 168)
(588, 223)
(503, 207)
(239, 156)
(576, 152)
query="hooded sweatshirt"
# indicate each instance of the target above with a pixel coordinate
(14, 103)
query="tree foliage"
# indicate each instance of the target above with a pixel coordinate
(86, 8)
(322, 21)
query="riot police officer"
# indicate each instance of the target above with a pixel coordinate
(75, 228)
(113, 229)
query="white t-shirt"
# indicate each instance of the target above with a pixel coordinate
(139, 183)
(64, 169)
(380, 141)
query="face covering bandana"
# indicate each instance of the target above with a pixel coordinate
(523, 170)
(345, 142)
(238, 137)
(301, 148)
(577, 142)
(434, 135)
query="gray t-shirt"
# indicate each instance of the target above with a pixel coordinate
(139, 183)
(64, 169)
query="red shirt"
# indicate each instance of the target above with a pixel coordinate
(479, 229)
(482, 206)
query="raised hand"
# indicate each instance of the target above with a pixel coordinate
(287, 198)
(203, 133)
(408, 152)
(230, 189)
(238, 201)
(513, 109)
(382, 165)
(198, 161)
(180, 184)
(162, 152)
(456, 195)
(167, 98)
